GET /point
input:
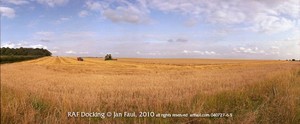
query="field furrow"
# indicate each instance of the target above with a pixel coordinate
(65, 60)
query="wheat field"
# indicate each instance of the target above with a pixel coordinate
(254, 91)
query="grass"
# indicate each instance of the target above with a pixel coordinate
(271, 101)
(45, 89)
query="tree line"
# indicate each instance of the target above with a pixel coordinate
(9, 55)
(5, 51)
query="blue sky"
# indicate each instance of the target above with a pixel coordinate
(247, 29)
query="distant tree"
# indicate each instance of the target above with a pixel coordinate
(3, 50)
(25, 51)
(293, 59)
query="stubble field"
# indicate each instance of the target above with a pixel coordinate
(254, 91)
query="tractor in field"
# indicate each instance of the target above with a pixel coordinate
(108, 57)
(79, 59)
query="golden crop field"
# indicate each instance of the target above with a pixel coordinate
(254, 91)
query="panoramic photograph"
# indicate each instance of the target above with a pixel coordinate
(150, 61)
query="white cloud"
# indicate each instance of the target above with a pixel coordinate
(95, 5)
(280, 49)
(274, 47)
(123, 11)
(272, 24)
(38, 46)
(82, 52)
(44, 33)
(199, 52)
(70, 52)
(16, 2)
(83, 13)
(23, 44)
(7, 12)
(182, 40)
(53, 3)
(289, 8)
(226, 17)
(210, 53)
(10, 45)
(173, 6)
(268, 16)
(61, 20)
(53, 51)
(249, 50)
(122, 14)
(64, 19)
(152, 53)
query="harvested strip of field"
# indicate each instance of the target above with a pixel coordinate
(44, 90)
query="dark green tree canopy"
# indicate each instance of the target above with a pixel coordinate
(5, 51)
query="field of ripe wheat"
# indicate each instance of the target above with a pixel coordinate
(253, 91)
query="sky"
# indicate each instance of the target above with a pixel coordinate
(233, 29)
